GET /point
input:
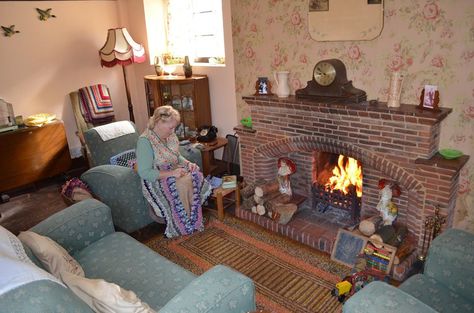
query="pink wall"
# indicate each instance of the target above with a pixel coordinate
(45, 61)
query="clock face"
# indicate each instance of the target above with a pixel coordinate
(324, 73)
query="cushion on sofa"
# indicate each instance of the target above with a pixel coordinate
(53, 257)
(104, 297)
(16, 268)
(155, 279)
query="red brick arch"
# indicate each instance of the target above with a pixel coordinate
(265, 154)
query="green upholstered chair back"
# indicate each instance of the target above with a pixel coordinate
(101, 151)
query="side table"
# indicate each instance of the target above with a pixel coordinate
(219, 194)
(207, 153)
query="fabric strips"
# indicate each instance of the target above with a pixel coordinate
(96, 105)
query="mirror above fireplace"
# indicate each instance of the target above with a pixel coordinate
(338, 20)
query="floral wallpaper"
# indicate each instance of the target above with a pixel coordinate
(430, 41)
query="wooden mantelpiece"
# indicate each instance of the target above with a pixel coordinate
(409, 112)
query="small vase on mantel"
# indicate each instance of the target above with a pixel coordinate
(187, 68)
(158, 66)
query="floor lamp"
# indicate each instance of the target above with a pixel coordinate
(121, 49)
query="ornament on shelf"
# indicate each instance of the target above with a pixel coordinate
(158, 65)
(187, 68)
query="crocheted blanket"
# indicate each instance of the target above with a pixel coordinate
(164, 198)
(96, 105)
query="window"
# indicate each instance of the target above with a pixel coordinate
(195, 28)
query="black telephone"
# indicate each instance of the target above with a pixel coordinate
(207, 133)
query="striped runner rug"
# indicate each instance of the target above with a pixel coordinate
(284, 282)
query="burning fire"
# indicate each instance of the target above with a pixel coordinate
(348, 172)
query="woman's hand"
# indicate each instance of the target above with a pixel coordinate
(193, 167)
(179, 172)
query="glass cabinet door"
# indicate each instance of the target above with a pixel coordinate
(180, 97)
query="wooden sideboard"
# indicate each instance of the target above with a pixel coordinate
(30, 154)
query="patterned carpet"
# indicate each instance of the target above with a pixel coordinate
(289, 277)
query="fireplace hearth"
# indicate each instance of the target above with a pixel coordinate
(396, 144)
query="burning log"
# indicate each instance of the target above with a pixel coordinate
(267, 188)
(369, 226)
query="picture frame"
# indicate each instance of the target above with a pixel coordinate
(347, 247)
(263, 86)
(429, 98)
(318, 5)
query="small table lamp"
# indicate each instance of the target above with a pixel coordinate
(121, 49)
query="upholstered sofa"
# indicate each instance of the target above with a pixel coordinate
(86, 231)
(118, 186)
(446, 286)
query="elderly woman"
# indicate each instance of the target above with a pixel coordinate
(173, 186)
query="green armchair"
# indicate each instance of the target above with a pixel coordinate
(117, 186)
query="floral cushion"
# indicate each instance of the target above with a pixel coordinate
(127, 158)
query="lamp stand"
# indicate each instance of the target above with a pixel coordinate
(129, 100)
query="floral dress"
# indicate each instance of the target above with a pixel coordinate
(163, 194)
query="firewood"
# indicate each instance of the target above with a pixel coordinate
(369, 226)
(257, 199)
(247, 191)
(281, 199)
(285, 211)
(266, 198)
(403, 251)
(383, 234)
(260, 209)
(247, 204)
(390, 235)
(254, 209)
(263, 190)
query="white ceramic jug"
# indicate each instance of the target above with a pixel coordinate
(281, 79)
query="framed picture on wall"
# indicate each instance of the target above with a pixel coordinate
(318, 5)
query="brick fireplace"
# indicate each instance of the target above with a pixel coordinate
(398, 144)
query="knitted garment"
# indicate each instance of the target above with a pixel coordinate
(163, 195)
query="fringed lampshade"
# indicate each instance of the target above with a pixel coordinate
(121, 49)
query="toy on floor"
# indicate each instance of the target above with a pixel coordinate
(355, 282)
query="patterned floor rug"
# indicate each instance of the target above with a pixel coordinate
(289, 277)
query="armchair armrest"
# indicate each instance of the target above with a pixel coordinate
(219, 290)
(379, 297)
(77, 226)
(120, 188)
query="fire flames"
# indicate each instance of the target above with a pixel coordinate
(347, 172)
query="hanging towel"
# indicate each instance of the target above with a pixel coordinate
(114, 130)
(96, 105)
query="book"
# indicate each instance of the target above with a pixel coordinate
(229, 181)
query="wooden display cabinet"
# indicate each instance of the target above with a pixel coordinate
(190, 96)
